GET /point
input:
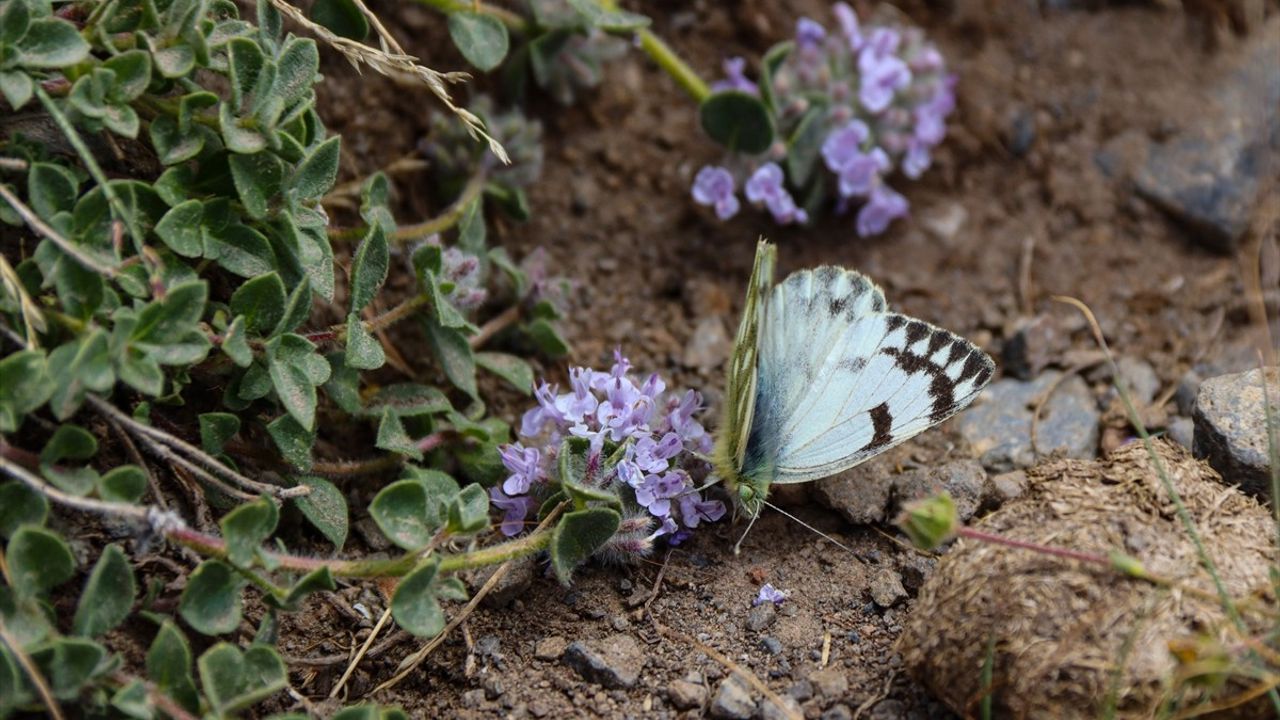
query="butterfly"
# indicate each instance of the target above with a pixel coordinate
(823, 377)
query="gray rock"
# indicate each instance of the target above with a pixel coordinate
(999, 426)
(839, 711)
(1211, 175)
(1035, 344)
(860, 494)
(1008, 486)
(771, 645)
(472, 699)
(733, 700)
(1140, 379)
(886, 588)
(550, 648)
(769, 711)
(1185, 395)
(512, 585)
(802, 691)
(685, 695)
(964, 480)
(888, 710)
(761, 617)
(709, 345)
(1230, 428)
(368, 531)
(1182, 431)
(829, 683)
(614, 662)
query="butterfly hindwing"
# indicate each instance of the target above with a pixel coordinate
(841, 379)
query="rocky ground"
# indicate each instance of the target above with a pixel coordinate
(1098, 152)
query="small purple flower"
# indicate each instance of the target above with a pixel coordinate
(713, 186)
(735, 77)
(883, 208)
(524, 464)
(765, 186)
(848, 20)
(693, 509)
(809, 34)
(515, 510)
(931, 115)
(861, 174)
(844, 144)
(768, 593)
(881, 79)
(653, 456)
(917, 159)
(682, 422)
(656, 491)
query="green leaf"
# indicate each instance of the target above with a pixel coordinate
(261, 301)
(342, 17)
(440, 489)
(180, 228)
(246, 63)
(579, 479)
(296, 69)
(132, 700)
(174, 61)
(400, 511)
(469, 511)
(291, 375)
(313, 582)
(609, 20)
(76, 367)
(455, 355)
(578, 536)
(235, 345)
(369, 268)
(452, 588)
(211, 602)
(173, 318)
(392, 436)
(169, 660)
(174, 145)
(805, 145)
(39, 560)
(108, 595)
(508, 367)
(258, 177)
(26, 387)
(20, 505)
(407, 400)
(294, 441)
(241, 135)
(235, 681)
(216, 428)
(68, 664)
(16, 86)
(246, 528)
(240, 249)
(133, 73)
(471, 230)
(325, 508)
(123, 484)
(737, 120)
(297, 310)
(15, 18)
(51, 189)
(69, 442)
(364, 352)
(315, 174)
(482, 39)
(51, 44)
(545, 336)
(414, 604)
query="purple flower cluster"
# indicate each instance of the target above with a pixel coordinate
(663, 451)
(715, 187)
(460, 272)
(886, 96)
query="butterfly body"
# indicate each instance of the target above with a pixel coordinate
(823, 377)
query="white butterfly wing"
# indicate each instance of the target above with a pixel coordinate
(841, 380)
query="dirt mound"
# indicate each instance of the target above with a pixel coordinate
(1069, 639)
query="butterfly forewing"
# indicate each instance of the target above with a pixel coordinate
(841, 380)
(742, 375)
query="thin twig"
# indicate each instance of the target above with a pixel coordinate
(33, 673)
(494, 325)
(132, 450)
(33, 321)
(14, 164)
(101, 507)
(355, 661)
(66, 246)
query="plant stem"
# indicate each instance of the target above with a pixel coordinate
(667, 59)
(33, 673)
(338, 333)
(494, 325)
(65, 245)
(451, 216)
(983, 536)
(91, 164)
(512, 20)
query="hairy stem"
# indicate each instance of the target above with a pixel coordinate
(69, 248)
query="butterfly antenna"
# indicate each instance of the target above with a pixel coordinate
(825, 536)
(737, 548)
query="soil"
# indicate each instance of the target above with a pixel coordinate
(1041, 93)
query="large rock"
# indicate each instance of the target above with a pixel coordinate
(614, 662)
(1211, 175)
(1231, 427)
(998, 426)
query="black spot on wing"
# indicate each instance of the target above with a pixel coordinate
(936, 341)
(882, 424)
(837, 305)
(893, 322)
(942, 389)
(916, 330)
(853, 363)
